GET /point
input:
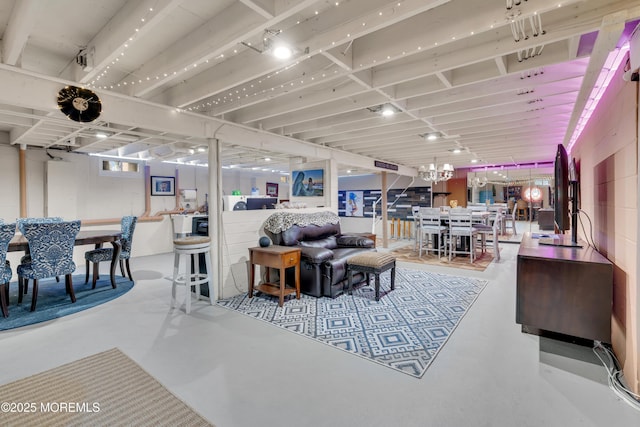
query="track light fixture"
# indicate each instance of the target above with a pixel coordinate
(387, 110)
(271, 44)
(431, 136)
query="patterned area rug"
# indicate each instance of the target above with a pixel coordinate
(105, 389)
(53, 302)
(408, 254)
(403, 331)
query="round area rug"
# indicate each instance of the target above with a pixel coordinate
(53, 301)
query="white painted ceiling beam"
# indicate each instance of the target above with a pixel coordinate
(426, 64)
(269, 142)
(345, 105)
(428, 95)
(445, 77)
(244, 67)
(216, 37)
(304, 75)
(201, 86)
(291, 103)
(110, 41)
(409, 138)
(28, 90)
(265, 8)
(443, 23)
(327, 122)
(508, 124)
(376, 17)
(501, 63)
(197, 48)
(416, 125)
(19, 26)
(570, 21)
(371, 123)
(215, 79)
(463, 127)
(490, 112)
(510, 84)
(416, 87)
(569, 87)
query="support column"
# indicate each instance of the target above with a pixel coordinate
(22, 153)
(385, 241)
(215, 218)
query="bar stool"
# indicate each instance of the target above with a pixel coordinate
(191, 246)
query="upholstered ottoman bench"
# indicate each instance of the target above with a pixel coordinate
(371, 263)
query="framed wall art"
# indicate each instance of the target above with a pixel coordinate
(163, 186)
(307, 183)
(272, 189)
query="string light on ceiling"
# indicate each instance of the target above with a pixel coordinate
(351, 35)
(140, 80)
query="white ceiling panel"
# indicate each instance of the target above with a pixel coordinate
(502, 92)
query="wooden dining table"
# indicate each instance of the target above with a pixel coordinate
(84, 237)
(476, 216)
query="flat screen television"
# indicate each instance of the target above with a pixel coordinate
(261, 203)
(561, 190)
(564, 177)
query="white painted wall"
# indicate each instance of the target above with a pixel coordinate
(98, 196)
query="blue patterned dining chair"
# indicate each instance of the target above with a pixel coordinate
(33, 220)
(96, 256)
(7, 231)
(51, 249)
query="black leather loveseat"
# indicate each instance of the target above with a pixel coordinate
(324, 250)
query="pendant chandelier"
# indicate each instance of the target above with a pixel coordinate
(478, 181)
(436, 173)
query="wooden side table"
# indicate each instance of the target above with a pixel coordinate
(280, 257)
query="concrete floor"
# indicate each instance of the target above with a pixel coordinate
(237, 371)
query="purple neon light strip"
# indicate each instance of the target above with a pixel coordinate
(611, 65)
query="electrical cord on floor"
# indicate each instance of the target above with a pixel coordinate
(614, 374)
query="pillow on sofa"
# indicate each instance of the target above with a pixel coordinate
(327, 242)
(355, 242)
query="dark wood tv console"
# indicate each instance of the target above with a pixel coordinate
(564, 290)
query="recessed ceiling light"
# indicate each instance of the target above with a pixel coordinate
(388, 110)
(282, 52)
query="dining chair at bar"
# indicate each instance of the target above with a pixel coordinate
(522, 210)
(493, 230)
(509, 222)
(7, 231)
(415, 214)
(494, 213)
(98, 255)
(431, 232)
(462, 233)
(51, 248)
